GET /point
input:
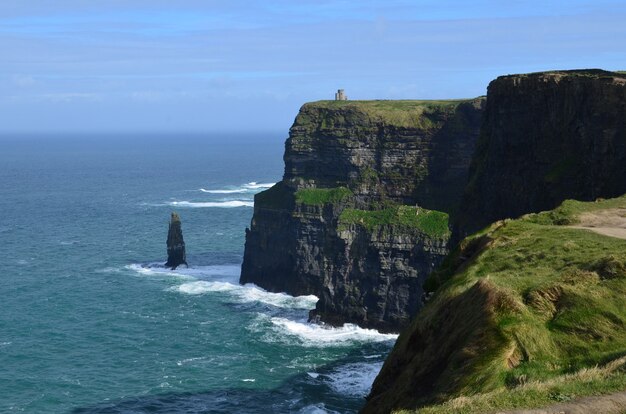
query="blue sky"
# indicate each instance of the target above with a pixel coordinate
(234, 65)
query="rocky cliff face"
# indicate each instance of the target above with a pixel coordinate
(496, 320)
(350, 222)
(521, 308)
(547, 137)
(175, 244)
(402, 151)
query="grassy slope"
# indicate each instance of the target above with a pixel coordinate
(525, 310)
(401, 113)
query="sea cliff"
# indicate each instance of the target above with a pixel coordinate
(527, 312)
(546, 137)
(361, 216)
(518, 314)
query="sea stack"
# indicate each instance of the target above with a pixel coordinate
(175, 244)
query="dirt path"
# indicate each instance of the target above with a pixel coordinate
(611, 222)
(606, 404)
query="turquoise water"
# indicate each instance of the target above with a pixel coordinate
(90, 323)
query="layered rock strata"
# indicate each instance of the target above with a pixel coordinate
(547, 137)
(350, 222)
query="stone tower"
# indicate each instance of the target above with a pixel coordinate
(340, 95)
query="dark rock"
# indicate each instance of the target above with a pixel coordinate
(386, 154)
(175, 244)
(546, 137)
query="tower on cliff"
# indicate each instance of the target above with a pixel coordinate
(340, 95)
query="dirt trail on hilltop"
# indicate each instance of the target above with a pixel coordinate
(610, 222)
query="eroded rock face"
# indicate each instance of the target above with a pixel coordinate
(402, 151)
(372, 275)
(175, 244)
(547, 137)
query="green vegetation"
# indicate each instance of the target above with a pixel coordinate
(570, 210)
(403, 113)
(586, 382)
(430, 222)
(535, 307)
(321, 196)
(589, 73)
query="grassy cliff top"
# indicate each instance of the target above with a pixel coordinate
(405, 113)
(589, 73)
(430, 222)
(526, 313)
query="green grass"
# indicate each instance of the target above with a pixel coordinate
(432, 223)
(589, 73)
(524, 301)
(586, 382)
(404, 113)
(569, 210)
(321, 196)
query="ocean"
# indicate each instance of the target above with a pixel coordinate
(90, 321)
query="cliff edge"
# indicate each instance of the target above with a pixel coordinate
(526, 313)
(361, 216)
(546, 137)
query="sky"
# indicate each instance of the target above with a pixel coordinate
(149, 66)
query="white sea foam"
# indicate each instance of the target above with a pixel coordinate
(252, 293)
(223, 272)
(316, 409)
(255, 185)
(205, 204)
(202, 286)
(188, 360)
(248, 293)
(314, 335)
(236, 191)
(252, 187)
(353, 379)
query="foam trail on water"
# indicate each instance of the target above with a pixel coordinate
(251, 187)
(204, 204)
(241, 190)
(255, 185)
(316, 409)
(306, 334)
(353, 379)
(225, 273)
(248, 293)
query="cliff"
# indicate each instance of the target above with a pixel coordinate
(361, 215)
(546, 137)
(526, 313)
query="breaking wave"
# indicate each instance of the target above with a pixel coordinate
(353, 379)
(300, 332)
(204, 204)
(221, 272)
(249, 293)
(251, 187)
